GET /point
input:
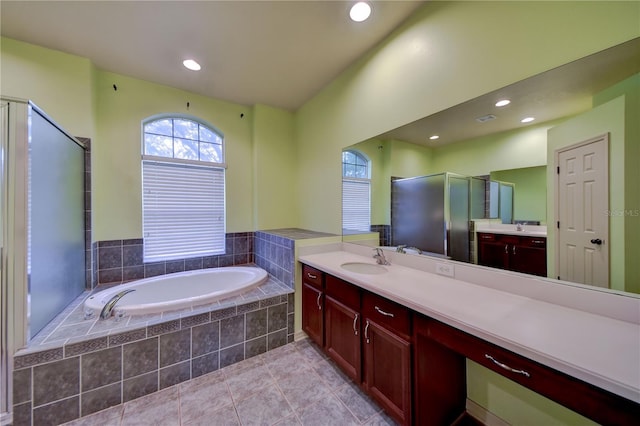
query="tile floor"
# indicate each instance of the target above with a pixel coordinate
(292, 385)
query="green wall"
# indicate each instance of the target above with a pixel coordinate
(391, 158)
(275, 177)
(445, 54)
(630, 88)
(606, 118)
(59, 83)
(530, 196)
(261, 177)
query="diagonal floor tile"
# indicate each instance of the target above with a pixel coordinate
(263, 408)
(327, 411)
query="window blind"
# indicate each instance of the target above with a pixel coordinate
(356, 210)
(183, 210)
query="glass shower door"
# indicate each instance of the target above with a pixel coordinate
(56, 231)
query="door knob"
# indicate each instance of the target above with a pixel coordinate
(596, 241)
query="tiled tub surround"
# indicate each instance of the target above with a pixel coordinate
(275, 254)
(122, 260)
(78, 367)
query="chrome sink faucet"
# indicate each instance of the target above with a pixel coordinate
(108, 308)
(379, 257)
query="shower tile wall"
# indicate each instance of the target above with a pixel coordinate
(60, 384)
(122, 260)
(88, 252)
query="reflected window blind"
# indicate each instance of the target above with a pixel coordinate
(183, 210)
(356, 205)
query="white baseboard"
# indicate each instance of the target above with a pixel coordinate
(481, 414)
(300, 335)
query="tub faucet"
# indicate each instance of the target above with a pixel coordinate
(108, 308)
(400, 249)
(379, 257)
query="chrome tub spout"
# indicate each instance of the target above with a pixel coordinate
(111, 304)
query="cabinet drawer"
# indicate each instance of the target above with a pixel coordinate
(584, 398)
(312, 276)
(386, 313)
(344, 292)
(533, 242)
(486, 237)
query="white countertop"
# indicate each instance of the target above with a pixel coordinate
(527, 230)
(596, 349)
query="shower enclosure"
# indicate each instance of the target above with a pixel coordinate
(42, 232)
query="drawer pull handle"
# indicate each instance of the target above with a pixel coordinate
(313, 277)
(355, 321)
(538, 241)
(383, 312)
(366, 332)
(318, 301)
(506, 367)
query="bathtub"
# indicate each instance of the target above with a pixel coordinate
(179, 290)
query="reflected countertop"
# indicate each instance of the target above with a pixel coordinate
(525, 231)
(594, 348)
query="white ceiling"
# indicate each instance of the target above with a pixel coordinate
(278, 53)
(557, 93)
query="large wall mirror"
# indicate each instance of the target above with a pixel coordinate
(483, 141)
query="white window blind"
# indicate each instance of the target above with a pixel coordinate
(356, 210)
(183, 210)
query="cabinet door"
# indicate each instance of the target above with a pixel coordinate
(387, 370)
(312, 318)
(493, 253)
(342, 341)
(439, 374)
(529, 256)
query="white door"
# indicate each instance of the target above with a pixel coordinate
(583, 200)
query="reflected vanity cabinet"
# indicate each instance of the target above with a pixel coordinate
(524, 254)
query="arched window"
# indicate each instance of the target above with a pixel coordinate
(356, 192)
(183, 173)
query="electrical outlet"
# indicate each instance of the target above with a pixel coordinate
(445, 269)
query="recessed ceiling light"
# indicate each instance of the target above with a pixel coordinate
(360, 11)
(503, 102)
(434, 137)
(527, 120)
(191, 64)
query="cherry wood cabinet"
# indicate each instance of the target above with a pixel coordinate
(415, 366)
(387, 355)
(440, 378)
(524, 254)
(342, 326)
(312, 304)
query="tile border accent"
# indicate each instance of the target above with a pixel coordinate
(116, 261)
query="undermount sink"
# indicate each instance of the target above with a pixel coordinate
(364, 268)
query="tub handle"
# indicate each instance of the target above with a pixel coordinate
(355, 321)
(318, 301)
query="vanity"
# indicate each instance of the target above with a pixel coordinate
(513, 250)
(403, 333)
